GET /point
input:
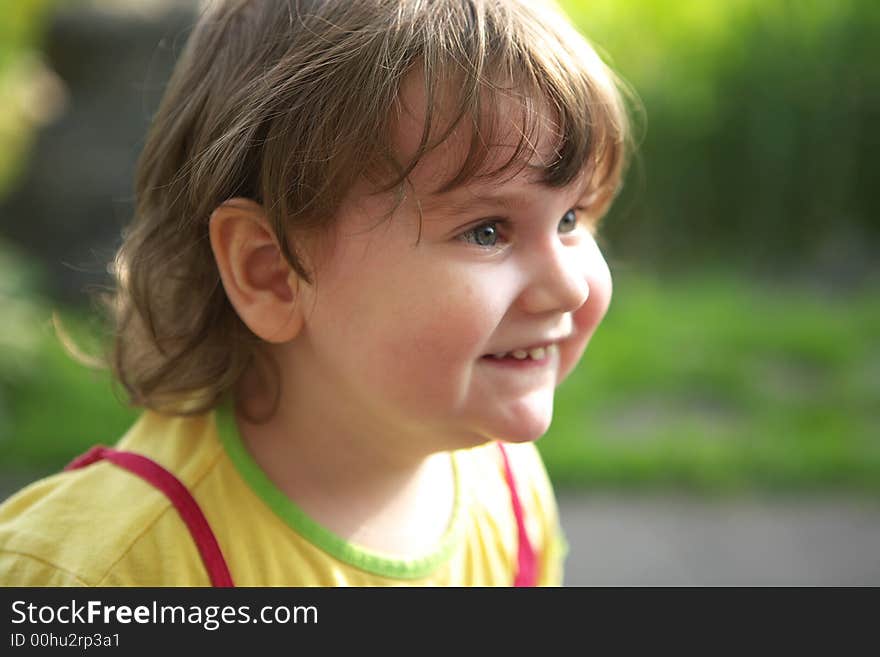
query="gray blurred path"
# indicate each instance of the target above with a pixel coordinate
(677, 540)
(635, 540)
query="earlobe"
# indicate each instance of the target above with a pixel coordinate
(256, 276)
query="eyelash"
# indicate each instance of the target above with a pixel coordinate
(503, 222)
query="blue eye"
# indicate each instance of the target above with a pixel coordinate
(485, 235)
(568, 222)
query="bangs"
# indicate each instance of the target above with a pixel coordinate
(529, 78)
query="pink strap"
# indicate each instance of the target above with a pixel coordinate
(527, 560)
(180, 497)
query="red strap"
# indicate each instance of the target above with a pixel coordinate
(527, 560)
(180, 497)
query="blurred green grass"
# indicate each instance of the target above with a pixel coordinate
(708, 382)
(716, 383)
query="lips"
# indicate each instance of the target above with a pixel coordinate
(538, 353)
(535, 353)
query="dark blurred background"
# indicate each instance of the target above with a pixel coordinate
(741, 353)
(96, 72)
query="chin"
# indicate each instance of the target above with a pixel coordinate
(526, 421)
(507, 431)
(524, 436)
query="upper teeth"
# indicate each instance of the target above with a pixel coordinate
(537, 353)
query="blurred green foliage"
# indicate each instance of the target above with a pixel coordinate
(20, 345)
(719, 383)
(51, 405)
(761, 134)
(31, 95)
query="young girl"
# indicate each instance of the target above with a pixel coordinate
(362, 260)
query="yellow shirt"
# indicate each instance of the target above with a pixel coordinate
(104, 526)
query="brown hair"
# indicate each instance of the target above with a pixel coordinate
(289, 103)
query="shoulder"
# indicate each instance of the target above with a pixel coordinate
(542, 512)
(528, 466)
(533, 484)
(73, 527)
(100, 524)
(486, 469)
(527, 469)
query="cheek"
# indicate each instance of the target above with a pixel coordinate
(425, 361)
(446, 321)
(587, 318)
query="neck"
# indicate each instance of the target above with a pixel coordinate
(365, 480)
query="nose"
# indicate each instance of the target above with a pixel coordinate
(558, 280)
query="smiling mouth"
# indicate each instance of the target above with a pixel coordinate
(540, 354)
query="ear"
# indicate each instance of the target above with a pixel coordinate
(258, 280)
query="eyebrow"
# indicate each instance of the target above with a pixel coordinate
(449, 205)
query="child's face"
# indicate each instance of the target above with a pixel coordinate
(402, 325)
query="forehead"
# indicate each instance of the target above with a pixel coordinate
(439, 165)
